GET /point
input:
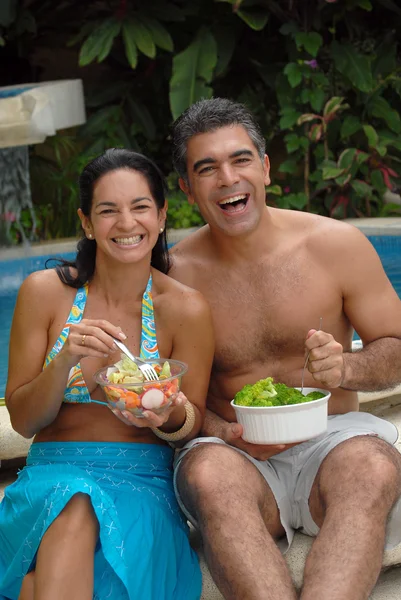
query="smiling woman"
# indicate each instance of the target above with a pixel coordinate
(127, 523)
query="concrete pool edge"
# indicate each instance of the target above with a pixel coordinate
(56, 247)
(373, 226)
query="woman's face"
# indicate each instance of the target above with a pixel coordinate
(124, 218)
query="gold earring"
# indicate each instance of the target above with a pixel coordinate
(90, 236)
(161, 229)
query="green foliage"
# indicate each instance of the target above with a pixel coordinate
(192, 71)
(323, 79)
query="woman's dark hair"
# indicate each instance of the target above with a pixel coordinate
(111, 160)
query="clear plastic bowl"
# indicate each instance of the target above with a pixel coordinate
(135, 397)
(284, 424)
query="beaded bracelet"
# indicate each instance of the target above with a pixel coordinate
(183, 431)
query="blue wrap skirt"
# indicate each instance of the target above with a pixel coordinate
(143, 552)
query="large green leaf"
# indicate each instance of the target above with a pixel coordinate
(379, 107)
(129, 44)
(226, 39)
(289, 117)
(160, 35)
(294, 74)
(362, 188)
(310, 41)
(289, 166)
(356, 67)
(331, 172)
(386, 58)
(333, 105)
(93, 45)
(192, 71)
(377, 181)
(256, 19)
(298, 200)
(346, 158)
(113, 30)
(316, 98)
(143, 38)
(350, 125)
(372, 136)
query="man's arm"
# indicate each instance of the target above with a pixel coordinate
(373, 308)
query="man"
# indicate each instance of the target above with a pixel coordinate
(269, 276)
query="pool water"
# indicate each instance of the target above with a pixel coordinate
(13, 272)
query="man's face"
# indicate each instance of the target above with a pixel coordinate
(227, 179)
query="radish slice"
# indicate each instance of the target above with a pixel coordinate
(152, 398)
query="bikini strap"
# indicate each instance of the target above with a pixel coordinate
(149, 349)
(77, 309)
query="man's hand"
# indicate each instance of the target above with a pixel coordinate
(233, 433)
(326, 358)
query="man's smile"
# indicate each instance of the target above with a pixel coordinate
(234, 204)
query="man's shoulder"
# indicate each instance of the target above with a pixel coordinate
(317, 228)
(189, 251)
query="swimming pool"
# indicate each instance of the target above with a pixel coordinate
(14, 271)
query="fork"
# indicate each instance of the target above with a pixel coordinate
(146, 368)
(307, 358)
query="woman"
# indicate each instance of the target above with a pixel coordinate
(93, 514)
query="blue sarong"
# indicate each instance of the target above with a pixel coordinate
(143, 551)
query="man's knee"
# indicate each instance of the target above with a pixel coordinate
(210, 472)
(364, 468)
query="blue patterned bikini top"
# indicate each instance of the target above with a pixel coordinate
(76, 390)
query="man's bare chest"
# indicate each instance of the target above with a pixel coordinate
(265, 316)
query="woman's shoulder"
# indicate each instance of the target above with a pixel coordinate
(43, 286)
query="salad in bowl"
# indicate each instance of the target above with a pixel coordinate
(126, 388)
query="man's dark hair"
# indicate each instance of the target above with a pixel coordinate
(206, 116)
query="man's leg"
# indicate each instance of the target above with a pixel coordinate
(238, 518)
(65, 559)
(355, 488)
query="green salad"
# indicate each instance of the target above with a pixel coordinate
(267, 393)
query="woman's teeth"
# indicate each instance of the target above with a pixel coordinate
(129, 241)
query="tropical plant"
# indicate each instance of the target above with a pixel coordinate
(322, 77)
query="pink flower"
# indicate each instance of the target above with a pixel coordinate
(312, 63)
(287, 189)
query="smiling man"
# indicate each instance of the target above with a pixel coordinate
(269, 275)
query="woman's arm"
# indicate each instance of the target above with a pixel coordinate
(34, 396)
(193, 344)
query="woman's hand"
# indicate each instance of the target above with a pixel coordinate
(90, 338)
(150, 419)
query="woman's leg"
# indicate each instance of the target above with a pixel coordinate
(26, 592)
(65, 559)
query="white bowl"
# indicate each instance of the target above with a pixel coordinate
(284, 424)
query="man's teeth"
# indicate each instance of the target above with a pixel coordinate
(233, 199)
(129, 241)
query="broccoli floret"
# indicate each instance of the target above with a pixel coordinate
(262, 393)
(267, 393)
(315, 395)
(287, 395)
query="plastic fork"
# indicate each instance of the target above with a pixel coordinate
(147, 369)
(307, 358)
